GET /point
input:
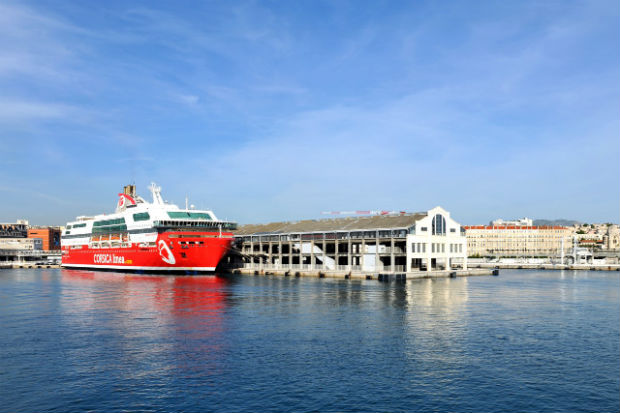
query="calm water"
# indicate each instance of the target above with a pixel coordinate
(525, 341)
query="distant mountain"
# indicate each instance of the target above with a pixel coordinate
(559, 222)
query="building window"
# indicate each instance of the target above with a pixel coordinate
(439, 225)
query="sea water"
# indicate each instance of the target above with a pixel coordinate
(527, 341)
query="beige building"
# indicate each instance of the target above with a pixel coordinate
(612, 238)
(518, 241)
(21, 244)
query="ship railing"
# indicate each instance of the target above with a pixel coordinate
(215, 225)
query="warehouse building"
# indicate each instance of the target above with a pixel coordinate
(395, 243)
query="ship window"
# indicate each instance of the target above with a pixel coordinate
(109, 222)
(109, 229)
(142, 216)
(192, 215)
(109, 225)
(77, 226)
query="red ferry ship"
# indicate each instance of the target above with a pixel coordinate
(145, 236)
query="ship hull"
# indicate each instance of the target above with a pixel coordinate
(172, 251)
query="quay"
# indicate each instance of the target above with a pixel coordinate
(26, 265)
(366, 275)
(26, 258)
(526, 266)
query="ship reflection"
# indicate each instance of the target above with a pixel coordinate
(172, 322)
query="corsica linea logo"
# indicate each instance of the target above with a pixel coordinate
(165, 253)
(108, 259)
(124, 200)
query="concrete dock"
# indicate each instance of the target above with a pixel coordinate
(366, 275)
(524, 266)
(27, 265)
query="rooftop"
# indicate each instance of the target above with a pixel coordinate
(334, 224)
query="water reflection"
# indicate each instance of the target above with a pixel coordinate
(163, 322)
(436, 325)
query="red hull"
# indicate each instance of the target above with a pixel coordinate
(172, 251)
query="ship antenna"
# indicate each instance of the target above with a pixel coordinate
(156, 191)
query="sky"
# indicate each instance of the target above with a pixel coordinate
(279, 110)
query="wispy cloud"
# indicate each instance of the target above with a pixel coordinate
(19, 111)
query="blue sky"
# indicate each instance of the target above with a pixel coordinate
(269, 111)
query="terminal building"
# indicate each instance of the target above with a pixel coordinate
(394, 243)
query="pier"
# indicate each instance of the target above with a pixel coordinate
(27, 265)
(362, 275)
(426, 244)
(526, 266)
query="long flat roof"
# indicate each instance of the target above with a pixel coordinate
(333, 224)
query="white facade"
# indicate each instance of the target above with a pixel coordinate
(438, 242)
